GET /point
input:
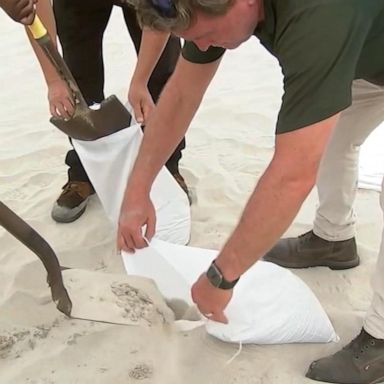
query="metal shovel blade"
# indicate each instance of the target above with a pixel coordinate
(89, 124)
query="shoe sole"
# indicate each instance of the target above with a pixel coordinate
(69, 219)
(334, 265)
(377, 381)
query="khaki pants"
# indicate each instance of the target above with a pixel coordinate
(337, 184)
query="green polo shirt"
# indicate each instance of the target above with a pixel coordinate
(321, 46)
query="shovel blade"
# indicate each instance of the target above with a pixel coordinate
(115, 298)
(88, 124)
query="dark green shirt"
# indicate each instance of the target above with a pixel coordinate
(322, 46)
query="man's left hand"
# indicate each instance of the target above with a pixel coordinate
(141, 101)
(211, 301)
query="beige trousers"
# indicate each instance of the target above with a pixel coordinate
(337, 184)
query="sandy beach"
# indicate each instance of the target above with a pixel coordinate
(228, 146)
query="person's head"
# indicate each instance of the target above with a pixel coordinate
(222, 23)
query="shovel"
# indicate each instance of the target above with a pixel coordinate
(86, 123)
(97, 296)
(30, 238)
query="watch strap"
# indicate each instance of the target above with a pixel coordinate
(220, 282)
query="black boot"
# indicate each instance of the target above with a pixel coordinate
(309, 250)
(359, 362)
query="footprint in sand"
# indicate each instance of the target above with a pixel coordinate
(17, 340)
(141, 371)
(6, 344)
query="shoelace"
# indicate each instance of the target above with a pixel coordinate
(305, 237)
(357, 349)
(72, 187)
(364, 349)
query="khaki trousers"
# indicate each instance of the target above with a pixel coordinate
(337, 184)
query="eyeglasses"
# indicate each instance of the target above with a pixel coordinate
(166, 8)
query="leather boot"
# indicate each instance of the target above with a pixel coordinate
(359, 362)
(72, 201)
(309, 250)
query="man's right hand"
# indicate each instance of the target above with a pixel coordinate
(61, 102)
(136, 212)
(22, 11)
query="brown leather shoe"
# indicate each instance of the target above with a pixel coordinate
(359, 362)
(72, 201)
(180, 180)
(309, 250)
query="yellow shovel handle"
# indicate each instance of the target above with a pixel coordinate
(37, 28)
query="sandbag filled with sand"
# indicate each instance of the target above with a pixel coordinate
(270, 304)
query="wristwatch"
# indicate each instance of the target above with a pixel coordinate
(217, 279)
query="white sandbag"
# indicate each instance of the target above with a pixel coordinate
(108, 162)
(150, 263)
(270, 304)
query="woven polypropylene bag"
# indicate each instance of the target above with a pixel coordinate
(270, 304)
(108, 162)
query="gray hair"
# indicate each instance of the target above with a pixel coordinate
(148, 15)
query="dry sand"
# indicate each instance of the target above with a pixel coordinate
(229, 144)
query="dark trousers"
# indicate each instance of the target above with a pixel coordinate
(80, 28)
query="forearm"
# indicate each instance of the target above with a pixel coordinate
(45, 12)
(165, 128)
(169, 121)
(151, 48)
(270, 210)
(277, 197)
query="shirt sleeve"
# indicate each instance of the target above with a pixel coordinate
(318, 51)
(193, 54)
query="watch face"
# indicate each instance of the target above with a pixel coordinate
(214, 276)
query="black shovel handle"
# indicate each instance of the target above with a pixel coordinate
(31, 239)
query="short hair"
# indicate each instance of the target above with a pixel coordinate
(149, 16)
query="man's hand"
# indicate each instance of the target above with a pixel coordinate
(22, 11)
(61, 102)
(211, 301)
(136, 212)
(140, 100)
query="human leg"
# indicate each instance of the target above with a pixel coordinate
(362, 360)
(332, 242)
(80, 28)
(374, 320)
(161, 73)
